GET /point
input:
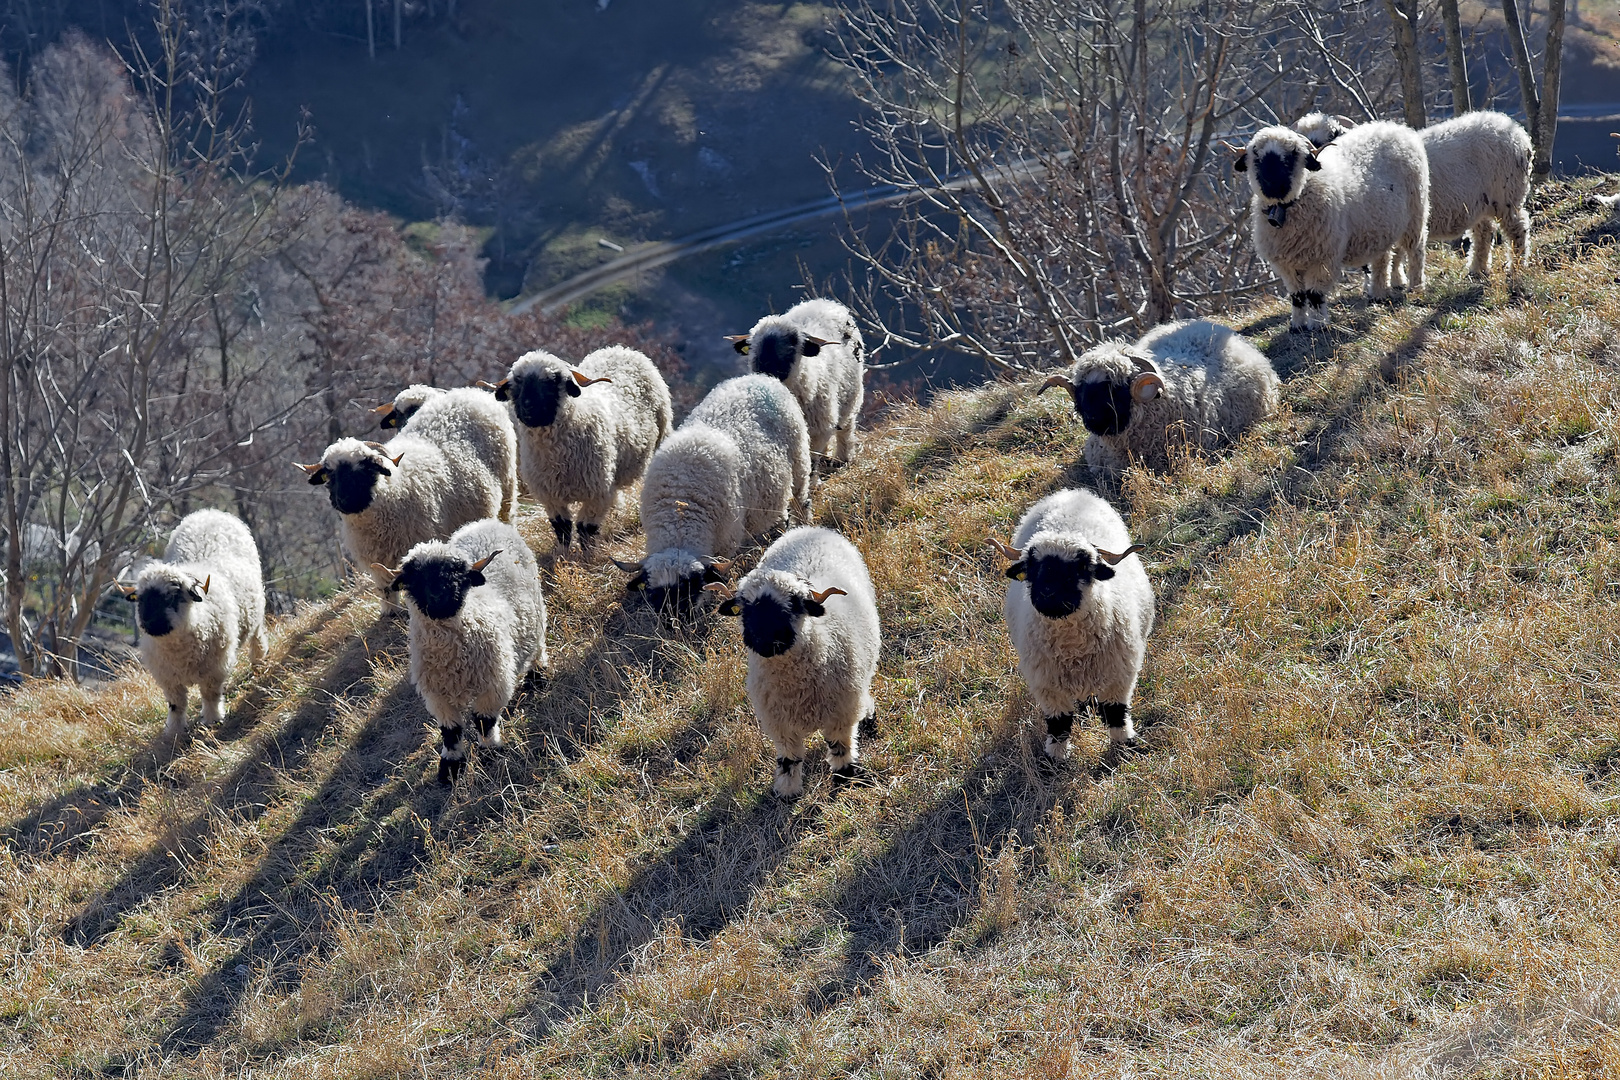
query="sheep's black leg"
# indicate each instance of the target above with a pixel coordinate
(588, 531)
(1057, 735)
(489, 730)
(564, 528)
(869, 728)
(453, 749)
(789, 777)
(1116, 716)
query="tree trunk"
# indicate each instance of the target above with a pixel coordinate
(1462, 99)
(1527, 75)
(1552, 76)
(1407, 58)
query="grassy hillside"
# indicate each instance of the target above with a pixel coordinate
(1372, 830)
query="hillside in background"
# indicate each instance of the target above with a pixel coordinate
(1371, 830)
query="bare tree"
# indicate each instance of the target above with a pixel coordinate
(1462, 99)
(1540, 102)
(1404, 18)
(126, 223)
(1061, 160)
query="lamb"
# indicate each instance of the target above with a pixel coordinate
(477, 628)
(395, 414)
(582, 447)
(815, 348)
(1191, 384)
(1366, 204)
(456, 463)
(196, 608)
(811, 659)
(1079, 611)
(1479, 171)
(738, 465)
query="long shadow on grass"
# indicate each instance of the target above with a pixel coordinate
(244, 793)
(66, 825)
(283, 916)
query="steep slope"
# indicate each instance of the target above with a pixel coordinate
(1372, 830)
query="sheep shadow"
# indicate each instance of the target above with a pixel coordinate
(66, 825)
(243, 793)
(700, 884)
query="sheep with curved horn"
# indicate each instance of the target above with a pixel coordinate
(580, 449)
(811, 660)
(477, 628)
(1079, 610)
(1185, 386)
(197, 607)
(815, 348)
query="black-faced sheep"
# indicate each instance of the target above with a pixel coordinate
(478, 627)
(455, 463)
(811, 658)
(815, 348)
(1186, 385)
(196, 608)
(738, 465)
(1479, 172)
(585, 433)
(1365, 203)
(1079, 611)
(397, 413)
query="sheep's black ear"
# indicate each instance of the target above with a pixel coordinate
(320, 476)
(711, 576)
(475, 578)
(571, 386)
(637, 583)
(741, 347)
(1102, 572)
(378, 467)
(1018, 571)
(731, 607)
(503, 390)
(811, 349)
(1311, 164)
(1241, 164)
(814, 607)
(194, 594)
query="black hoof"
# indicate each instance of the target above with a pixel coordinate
(852, 775)
(868, 727)
(450, 770)
(537, 679)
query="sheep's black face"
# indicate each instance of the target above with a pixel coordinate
(438, 585)
(536, 395)
(352, 485)
(676, 601)
(158, 607)
(1104, 406)
(1057, 583)
(1274, 172)
(398, 418)
(776, 354)
(768, 624)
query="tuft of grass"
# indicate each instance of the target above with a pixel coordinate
(1370, 832)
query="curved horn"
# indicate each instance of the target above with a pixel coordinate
(311, 470)
(583, 379)
(485, 561)
(720, 588)
(384, 409)
(719, 566)
(1007, 550)
(482, 385)
(206, 581)
(831, 590)
(397, 460)
(1056, 380)
(1110, 558)
(390, 571)
(128, 591)
(379, 447)
(739, 342)
(734, 338)
(1146, 386)
(821, 341)
(628, 567)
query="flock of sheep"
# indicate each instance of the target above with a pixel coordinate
(430, 511)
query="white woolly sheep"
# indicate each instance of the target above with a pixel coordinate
(737, 466)
(815, 348)
(478, 627)
(811, 659)
(456, 463)
(586, 433)
(1366, 203)
(1079, 611)
(1479, 172)
(397, 413)
(196, 608)
(1192, 384)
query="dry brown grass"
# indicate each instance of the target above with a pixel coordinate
(1372, 833)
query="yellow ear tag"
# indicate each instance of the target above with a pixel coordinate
(1021, 576)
